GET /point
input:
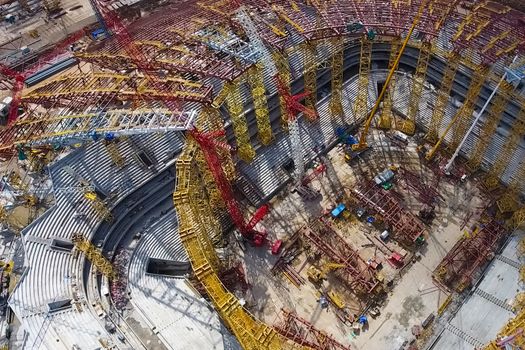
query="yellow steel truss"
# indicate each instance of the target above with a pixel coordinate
(336, 103)
(96, 258)
(126, 87)
(240, 126)
(385, 119)
(100, 208)
(251, 333)
(466, 111)
(204, 122)
(310, 74)
(443, 97)
(114, 154)
(283, 69)
(504, 157)
(262, 115)
(417, 87)
(214, 122)
(361, 101)
(494, 115)
(463, 115)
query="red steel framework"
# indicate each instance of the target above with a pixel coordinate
(406, 228)
(20, 77)
(356, 273)
(470, 254)
(206, 141)
(427, 194)
(303, 332)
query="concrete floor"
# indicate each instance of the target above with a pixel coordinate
(414, 296)
(487, 307)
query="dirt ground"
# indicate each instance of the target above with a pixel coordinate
(413, 296)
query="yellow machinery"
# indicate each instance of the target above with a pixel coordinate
(336, 299)
(317, 275)
(362, 144)
(94, 256)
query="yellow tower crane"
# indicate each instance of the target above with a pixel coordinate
(362, 144)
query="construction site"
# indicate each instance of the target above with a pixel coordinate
(256, 174)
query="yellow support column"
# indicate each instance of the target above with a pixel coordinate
(240, 126)
(361, 101)
(494, 115)
(114, 154)
(466, 111)
(283, 69)
(213, 121)
(262, 115)
(250, 332)
(417, 87)
(310, 74)
(443, 97)
(505, 155)
(336, 104)
(385, 119)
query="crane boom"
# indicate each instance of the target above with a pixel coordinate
(361, 145)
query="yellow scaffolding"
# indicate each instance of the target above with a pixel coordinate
(463, 115)
(417, 87)
(283, 69)
(240, 126)
(310, 74)
(96, 258)
(114, 154)
(251, 333)
(361, 101)
(385, 119)
(443, 97)
(466, 111)
(336, 103)
(100, 208)
(215, 122)
(504, 157)
(494, 115)
(262, 115)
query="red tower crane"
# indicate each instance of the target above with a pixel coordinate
(206, 140)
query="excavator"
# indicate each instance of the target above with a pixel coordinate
(317, 276)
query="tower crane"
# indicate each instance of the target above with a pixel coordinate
(362, 144)
(293, 108)
(206, 140)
